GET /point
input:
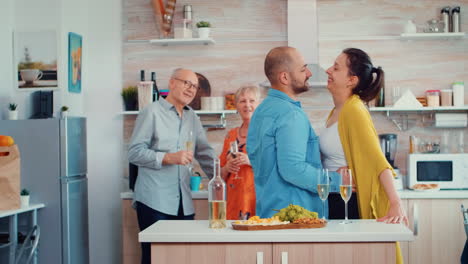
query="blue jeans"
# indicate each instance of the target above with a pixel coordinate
(148, 216)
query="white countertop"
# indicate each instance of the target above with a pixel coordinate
(442, 194)
(198, 231)
(195, 195)
(404, 194)
(22, 209)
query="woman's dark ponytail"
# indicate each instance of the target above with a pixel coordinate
(371, 80)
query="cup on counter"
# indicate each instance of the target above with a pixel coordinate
(195, 183)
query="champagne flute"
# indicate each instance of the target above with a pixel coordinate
(234, 150)
(346, 189)
(323, 188)
(189, 147)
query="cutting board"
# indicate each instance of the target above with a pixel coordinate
(275, 227)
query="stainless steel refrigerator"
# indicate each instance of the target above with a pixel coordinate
(54, 168)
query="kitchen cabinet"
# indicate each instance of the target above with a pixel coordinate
(441, 234)
(298, 253)
(273, 253)
(131, 252)
(212, 253)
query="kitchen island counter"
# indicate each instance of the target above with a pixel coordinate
(362, 241)
(198, 231)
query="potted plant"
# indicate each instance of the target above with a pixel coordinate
(24, 198)
(64, 111)
(203, 29)
(130, 98)
(12, 112)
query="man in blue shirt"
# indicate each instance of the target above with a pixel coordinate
(281, 144)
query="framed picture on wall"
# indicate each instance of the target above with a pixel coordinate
(35, 60)
(75, 43)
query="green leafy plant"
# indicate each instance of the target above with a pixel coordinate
(24, 192)
(129, 93)
(64, 108)
(130, 97)
(203, 24)
(12, 106)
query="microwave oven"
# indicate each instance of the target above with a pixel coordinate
(449, 171)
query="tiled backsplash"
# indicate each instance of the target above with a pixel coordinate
(246, 30)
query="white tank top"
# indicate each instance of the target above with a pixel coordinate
(331, 149)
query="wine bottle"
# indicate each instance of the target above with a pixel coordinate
(155, 87)
(217, 198)
(142, 75)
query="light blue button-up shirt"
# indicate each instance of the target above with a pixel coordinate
(284, 152)
(159, 130)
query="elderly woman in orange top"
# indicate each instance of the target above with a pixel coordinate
(235, 167)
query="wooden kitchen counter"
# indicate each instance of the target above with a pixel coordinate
(362, 241)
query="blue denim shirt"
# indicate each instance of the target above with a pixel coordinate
(284, 152)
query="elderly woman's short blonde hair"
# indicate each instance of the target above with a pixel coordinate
(248, 88)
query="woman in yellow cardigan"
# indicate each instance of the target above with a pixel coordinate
(353, 81)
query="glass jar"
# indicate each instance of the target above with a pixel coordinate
(458, 93)
(433, 98)
(446, 97)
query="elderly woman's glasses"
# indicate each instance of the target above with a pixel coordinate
(188, 84)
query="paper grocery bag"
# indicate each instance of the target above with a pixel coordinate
(9, 178)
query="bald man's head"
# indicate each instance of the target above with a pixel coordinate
(182, 73)
(278, 60)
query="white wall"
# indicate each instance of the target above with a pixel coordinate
(99, 22)
(6, 76)
(105, 145)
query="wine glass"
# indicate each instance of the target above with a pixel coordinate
(346, 190)
(189, 147)
(234, 150)
(323, 188)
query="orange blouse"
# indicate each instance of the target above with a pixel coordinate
(240, 192)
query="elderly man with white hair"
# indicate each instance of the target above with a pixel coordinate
(158, 148)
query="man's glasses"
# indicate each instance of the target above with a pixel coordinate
(188, 84)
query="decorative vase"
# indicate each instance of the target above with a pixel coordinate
(204, 32)
(24, 200)
(13, 115)
(145, 94)
(64, 114)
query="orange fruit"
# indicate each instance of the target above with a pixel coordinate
(6, 141)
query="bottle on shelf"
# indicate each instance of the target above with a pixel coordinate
(445, 13)
(217, 198)
(380, 99)
(188, 27)
(456, 19)
(142, 75)
(155, 87)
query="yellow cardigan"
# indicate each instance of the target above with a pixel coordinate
(364, 157)
(366, 160)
